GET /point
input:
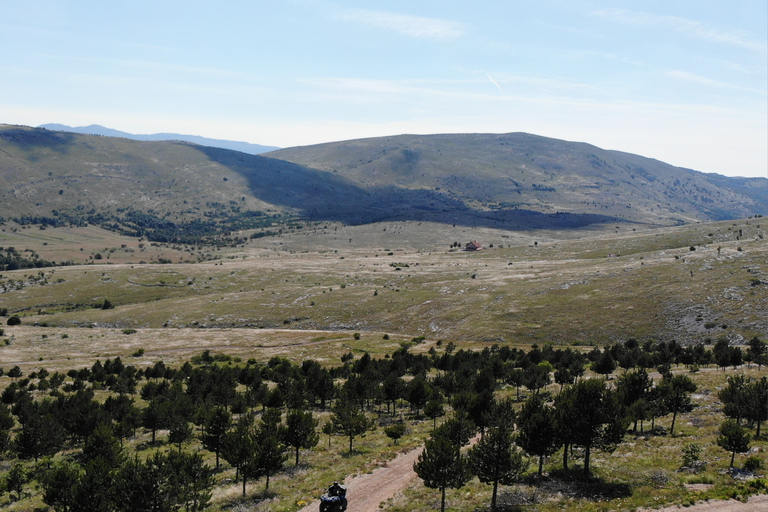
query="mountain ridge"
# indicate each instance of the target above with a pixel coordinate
(96, 129)
(181, 191)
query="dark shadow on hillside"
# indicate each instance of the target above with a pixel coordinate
(324, 196)
(571, 483)
(29, 139)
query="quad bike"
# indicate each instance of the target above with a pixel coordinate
(334, 501)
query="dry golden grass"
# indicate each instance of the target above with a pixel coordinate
(551, 291)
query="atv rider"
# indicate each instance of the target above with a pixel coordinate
(335, 500)
(336, 490)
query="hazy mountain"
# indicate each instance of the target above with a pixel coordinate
(181, 191)
(95, 129)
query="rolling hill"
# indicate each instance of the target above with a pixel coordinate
(182, 192)
(520, 171)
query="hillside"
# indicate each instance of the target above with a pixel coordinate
(177, 191)
(527, 172)
(167, 191)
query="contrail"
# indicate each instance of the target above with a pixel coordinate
(494, 82)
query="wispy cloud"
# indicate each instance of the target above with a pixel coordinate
(702, 80)
(413, 26)
(691, 28)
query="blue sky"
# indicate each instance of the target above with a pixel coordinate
(684, 82)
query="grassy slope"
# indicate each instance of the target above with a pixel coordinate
(529, 290)
(532, 172)
(491, 180)
(45, 171)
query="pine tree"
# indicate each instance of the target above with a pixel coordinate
(214, 429)
(349, 420)
(300, 431)
(269, 453)
(496, 460)
(60, 485)
(537, 429)
(40, 435)
(677, 396)
(589, 415)
(442, 466)
(733, 438)
(239, 449)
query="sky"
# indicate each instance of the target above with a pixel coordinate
(685, 82)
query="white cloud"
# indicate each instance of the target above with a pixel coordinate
(414, 26)
(691, 28)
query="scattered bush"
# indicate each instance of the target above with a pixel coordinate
(395, 432)
(754, 463)
(14, 320)
(129, 331)
(658, 478)
(691, 453)
(106, 304)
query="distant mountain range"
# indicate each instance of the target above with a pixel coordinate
(95, 129)
(176, 190)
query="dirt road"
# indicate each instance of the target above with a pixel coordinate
(367, 491)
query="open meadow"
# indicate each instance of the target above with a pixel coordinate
(687, 283)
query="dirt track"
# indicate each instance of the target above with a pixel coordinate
(365, 492)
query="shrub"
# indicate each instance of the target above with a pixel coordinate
(691, 453)
(753, 463)
(395, 432)
(3, 311)
(106, 304)
(138, 353)
(129, 331)
(14, 320)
